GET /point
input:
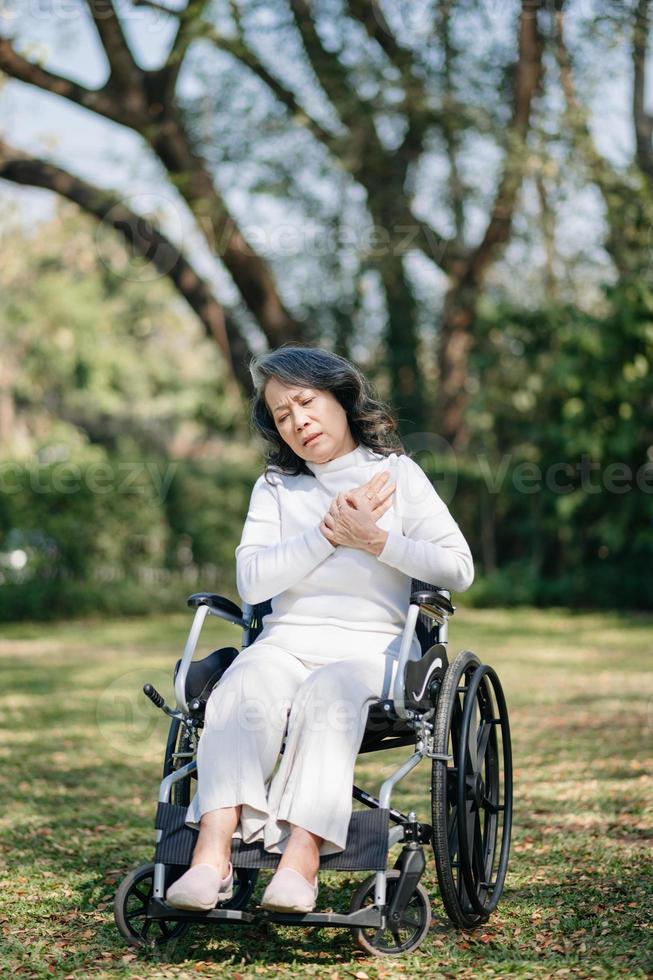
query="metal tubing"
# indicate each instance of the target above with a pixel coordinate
(159, 884)
(404, 653)
(248, 613)
(164, 797)
(174, 777)
(180, 680)
(384, 801)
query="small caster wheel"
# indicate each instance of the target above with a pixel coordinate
(395, 939)
(130, 912)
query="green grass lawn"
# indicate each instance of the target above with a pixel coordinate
(82, 750)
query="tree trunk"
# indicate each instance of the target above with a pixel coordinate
(402, 347)
(456, 340)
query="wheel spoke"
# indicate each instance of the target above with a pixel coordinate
(409, 921)
(134, 915)
(492, 807)
(452, 830)
(470, 751)
(484, 731)
(454, 847)
(143, 897)
(478, 860)
(470, 817)
(462, 894)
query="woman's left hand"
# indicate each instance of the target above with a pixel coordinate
(353, 527)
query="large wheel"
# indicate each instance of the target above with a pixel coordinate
(394, 940)
(130, 911)
(471, 792)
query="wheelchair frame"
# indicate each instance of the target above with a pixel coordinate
(441, 730)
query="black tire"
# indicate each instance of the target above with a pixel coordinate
(130, 912)
(472, 729)
(414, 926)
(179, 741)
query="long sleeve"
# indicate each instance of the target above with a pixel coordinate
(432, 547)
(266, 565)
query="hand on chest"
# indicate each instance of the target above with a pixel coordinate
(306, 504)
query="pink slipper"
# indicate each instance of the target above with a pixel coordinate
(289, 891)
(201, 888)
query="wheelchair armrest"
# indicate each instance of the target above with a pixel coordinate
(434, 603)
(218, 606)
(437, 605)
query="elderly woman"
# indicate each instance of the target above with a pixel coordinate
(338, 524)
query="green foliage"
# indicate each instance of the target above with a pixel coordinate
(107, 385)
(565, 403)
(113, 534)
(89, 354)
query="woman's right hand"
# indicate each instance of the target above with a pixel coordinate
(373, 496)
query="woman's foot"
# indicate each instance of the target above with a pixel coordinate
(209, 880)
(289, 891)
(201, 888)
(294, 887)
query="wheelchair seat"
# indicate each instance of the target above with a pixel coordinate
(204, 674)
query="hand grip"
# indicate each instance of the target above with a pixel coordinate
(154, 696)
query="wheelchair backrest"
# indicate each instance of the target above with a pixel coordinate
(428, 632)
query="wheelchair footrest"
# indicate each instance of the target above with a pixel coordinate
(157, 909)
(366, 848)
(368, 917)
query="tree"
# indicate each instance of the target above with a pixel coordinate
(89, 358)
(393, 98)
(626, 191)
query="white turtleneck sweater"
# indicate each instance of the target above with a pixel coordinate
(283, 555)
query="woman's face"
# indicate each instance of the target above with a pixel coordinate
(302, 413)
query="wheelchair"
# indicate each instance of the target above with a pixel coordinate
(453, 713)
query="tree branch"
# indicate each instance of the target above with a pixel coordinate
(163, 129)
(101, 100)
(625, 207)
(239, 50)
(449, 129)
(528, 78)
(642, 119)
(141, 235)
(189, 28)
(113, 40)
(368, 13)
(415, 103)
(355, 114)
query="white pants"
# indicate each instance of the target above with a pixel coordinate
(324, 696)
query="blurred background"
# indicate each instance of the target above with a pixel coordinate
(458, 195)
